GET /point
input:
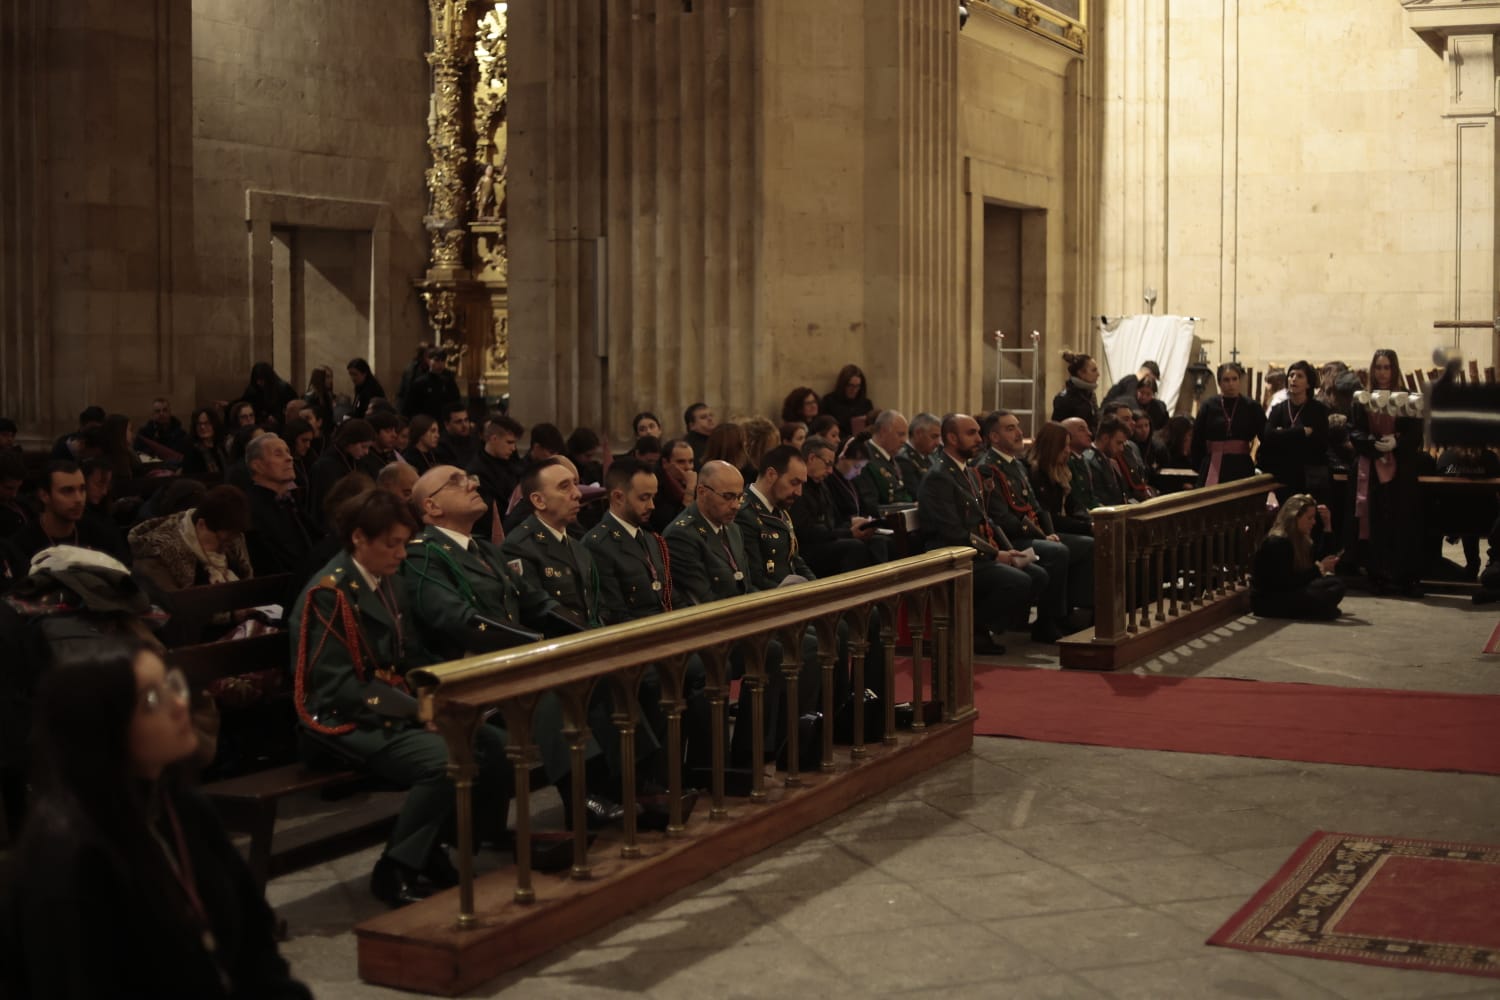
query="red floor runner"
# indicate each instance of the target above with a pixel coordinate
(1420, 730)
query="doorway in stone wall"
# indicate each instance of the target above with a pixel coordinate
(320, 288)
(1015, 302)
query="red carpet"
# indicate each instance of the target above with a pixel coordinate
(1411, 904)
(1420, 730)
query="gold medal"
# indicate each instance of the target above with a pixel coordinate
(655, 584)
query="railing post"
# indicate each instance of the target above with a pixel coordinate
(858, 621)
(519, 750)
(791, 672)
(888, 641)
(1109, 573)
(916, 623)
(457, 727)
(962, 604)
(942, 629)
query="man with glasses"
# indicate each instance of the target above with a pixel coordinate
(830, 543)
(710, 563)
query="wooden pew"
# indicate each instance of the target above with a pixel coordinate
(249, 803)
(193, 608)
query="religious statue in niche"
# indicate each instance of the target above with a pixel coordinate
(486, 207)
(491, 109)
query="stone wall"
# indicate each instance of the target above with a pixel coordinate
(323, 106)
(133, 138)
(1297, 174)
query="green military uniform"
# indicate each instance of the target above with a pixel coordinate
(1081, 483)
(914, 465)
(348, 705)
(563, 568)
(708, 564)
(634, 581)
(447, 583)
(770, 543)
(1010, 499)
(882, 481)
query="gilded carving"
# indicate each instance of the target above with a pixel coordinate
(445, 184)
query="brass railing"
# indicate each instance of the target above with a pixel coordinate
(458, 696)
(1156, 561)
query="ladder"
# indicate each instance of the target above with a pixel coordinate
(1019, 355)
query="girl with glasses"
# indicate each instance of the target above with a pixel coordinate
(124, 883)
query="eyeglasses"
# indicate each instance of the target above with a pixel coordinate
(174, 685)
(727, 496)
(457, 479)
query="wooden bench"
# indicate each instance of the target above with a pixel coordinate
(249, 803)
(193, 608)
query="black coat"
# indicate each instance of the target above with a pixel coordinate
(1074, 402)
(77, 925)
(430, 392)
(280, 535)
(1288, 451)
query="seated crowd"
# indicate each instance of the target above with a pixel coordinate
(416, 535)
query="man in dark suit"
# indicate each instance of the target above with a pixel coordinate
(881, 481)
(434, 389)
(456, 446)
(832, 544)
(352, 696)
(1105, 481)
(280, 534)
(700, 421)
(351, 443)
(499, 469)
(951, 511)
(1013, 506)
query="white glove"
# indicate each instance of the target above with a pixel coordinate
(1385, 443)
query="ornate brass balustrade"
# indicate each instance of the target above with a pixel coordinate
(458, 696)
(1169, 568)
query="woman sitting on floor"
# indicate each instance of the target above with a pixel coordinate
(1287, 581)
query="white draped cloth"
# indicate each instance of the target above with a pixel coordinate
(1167, 340)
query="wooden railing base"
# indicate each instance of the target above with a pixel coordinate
(421, 948)
(1081, 651)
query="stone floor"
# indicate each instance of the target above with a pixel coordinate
(1029, 869)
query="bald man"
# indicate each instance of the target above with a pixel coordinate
(709, 563)
(398, 478)
(1080, 440)
(466, 599)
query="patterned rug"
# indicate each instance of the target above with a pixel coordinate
(1410, 904)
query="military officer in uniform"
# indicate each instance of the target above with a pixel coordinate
(542, 542)
(923, 439)
(710, 563)
(881, 481)
(951, 510)
(1014, 507)
(765, 520)
(543, 545)
(635, 580)
(355, 641)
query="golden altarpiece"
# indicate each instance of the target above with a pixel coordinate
(465, 286)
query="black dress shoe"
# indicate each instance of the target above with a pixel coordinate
(598, 810)
(1046, 633)
(394, 884)
(655, 811)
(440, 871)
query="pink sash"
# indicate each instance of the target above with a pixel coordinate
(1218, 449)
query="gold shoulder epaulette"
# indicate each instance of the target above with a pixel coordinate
(329, 582)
